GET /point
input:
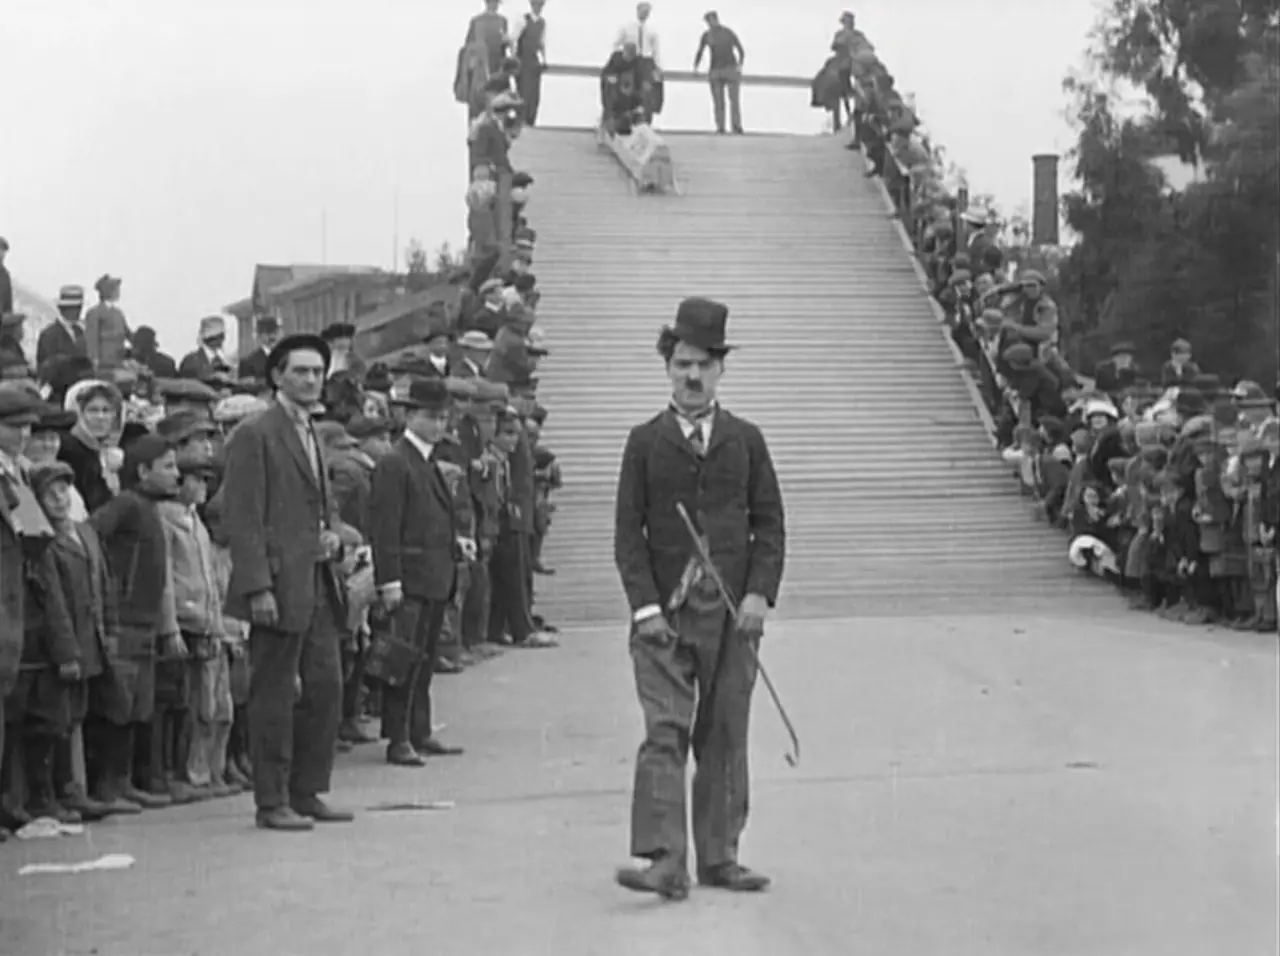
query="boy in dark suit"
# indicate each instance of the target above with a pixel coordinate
(414, 532)
(694, 671)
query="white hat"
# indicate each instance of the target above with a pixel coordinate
(475, 340)
(212, 325)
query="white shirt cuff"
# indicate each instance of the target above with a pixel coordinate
(646, 612)
(389, 585)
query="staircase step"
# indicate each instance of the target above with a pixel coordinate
(896, 500)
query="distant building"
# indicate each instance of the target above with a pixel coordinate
(306, 298)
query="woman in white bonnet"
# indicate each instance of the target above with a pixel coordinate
(92, 448)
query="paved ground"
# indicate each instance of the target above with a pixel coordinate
(979, 786)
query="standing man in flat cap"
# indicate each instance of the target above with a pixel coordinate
(280, 524)
(66, 336)
(106, 330)
(694, 669)
(266, 328)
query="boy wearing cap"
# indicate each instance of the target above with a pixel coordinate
(1180, 370)
(195, 729)
(134, 540)
(40, 709)
(89, 597)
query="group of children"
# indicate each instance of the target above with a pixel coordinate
(125, 696)
(1176, 500)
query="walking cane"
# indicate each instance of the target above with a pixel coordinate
(793, 755)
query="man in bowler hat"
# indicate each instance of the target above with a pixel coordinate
(417, 541)
(280, 523)
(266, 329)
(694, 670)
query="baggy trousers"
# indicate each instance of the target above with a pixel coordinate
(726, 80)
(674, 684)
(292, 736)
(406, 707)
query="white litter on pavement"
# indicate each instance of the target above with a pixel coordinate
(47, 828)
(112, 861)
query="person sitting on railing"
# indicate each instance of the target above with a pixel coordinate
(491, 134)
(1031, 389)
(831, 88)
(622, 91)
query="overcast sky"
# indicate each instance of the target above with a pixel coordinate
(178, 143)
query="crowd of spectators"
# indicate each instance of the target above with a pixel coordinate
(125, 683)
(1166, 484)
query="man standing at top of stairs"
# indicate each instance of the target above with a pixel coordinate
(641, 34)
(725, 73)
(530, 45)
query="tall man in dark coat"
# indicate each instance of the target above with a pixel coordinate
(279, 522)
(66, 336)
(414, 532)
(694, 669)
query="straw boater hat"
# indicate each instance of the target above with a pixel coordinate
(212, 326)
(70, 297)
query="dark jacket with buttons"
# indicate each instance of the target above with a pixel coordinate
(731, 492)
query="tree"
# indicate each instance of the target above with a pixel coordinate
(417, 266)
(1153, 263)
(446, 260)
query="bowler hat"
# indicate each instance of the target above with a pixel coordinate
(423, 393)
(1123, 348)
(185, 390)
(377, 378)
(266, 324)
(55, 419)
(293, 343)
(701, 324)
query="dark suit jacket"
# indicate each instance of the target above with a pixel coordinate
(412, 525)
(197, 365)
(160, 364)
(732, 493)
(55, 340)
(254, 366)
(274, 507)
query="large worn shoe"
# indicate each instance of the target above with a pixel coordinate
(666, 877)
(733, 877)
(116, 805)
(148, 801)
(353, 733)
(444, 665)
(90, 810)
(403, 755)
(13, 818)
(182, 793)
(283, 818)
(321, 812)
(434, 748)
(53, 810)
